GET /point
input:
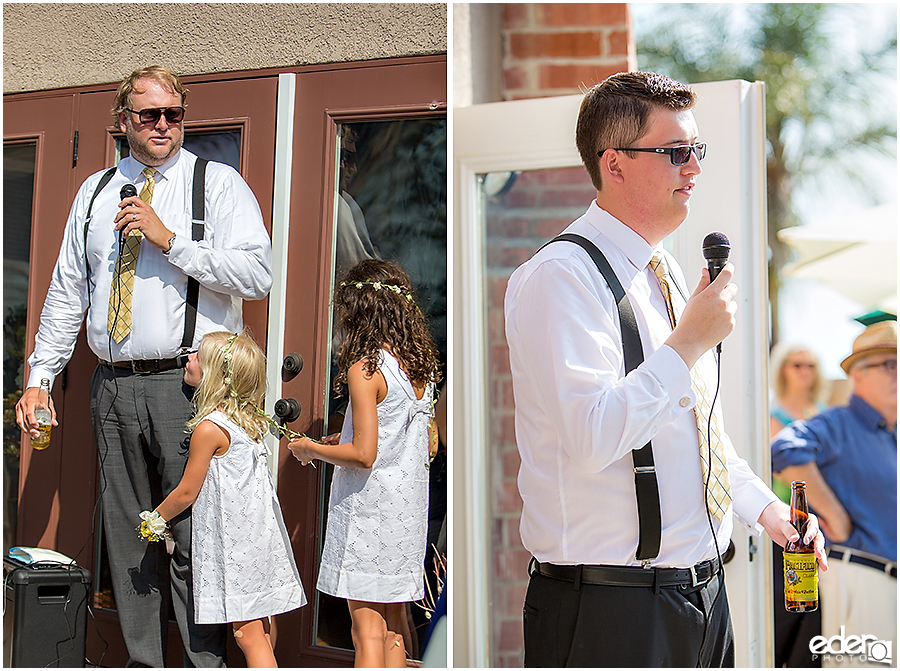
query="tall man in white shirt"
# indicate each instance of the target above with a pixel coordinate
(139, 402)
(579, 417)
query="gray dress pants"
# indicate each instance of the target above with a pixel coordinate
(139, 425)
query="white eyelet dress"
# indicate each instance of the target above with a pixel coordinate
(242, 563)
(378, 518)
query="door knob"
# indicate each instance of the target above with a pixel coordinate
(287, 409)
(292, 364)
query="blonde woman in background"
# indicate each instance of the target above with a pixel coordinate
(798, 386)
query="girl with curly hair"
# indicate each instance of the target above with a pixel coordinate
(375, 538)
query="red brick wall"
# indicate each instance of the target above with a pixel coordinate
(549, 49)
(554, 49)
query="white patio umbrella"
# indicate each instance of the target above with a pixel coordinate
(855, 254)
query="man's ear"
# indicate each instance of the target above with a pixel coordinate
(122, 121)
(610, 167)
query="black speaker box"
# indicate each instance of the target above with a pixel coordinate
(47, 605)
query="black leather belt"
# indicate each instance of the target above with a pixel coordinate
(629, 576)
(146, 366)
(853, 557)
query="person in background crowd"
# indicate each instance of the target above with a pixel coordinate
(848, 457)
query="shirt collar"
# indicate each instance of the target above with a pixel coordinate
(638, 250)
(869, 415)
(134, 167)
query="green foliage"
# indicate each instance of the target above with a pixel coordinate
(830, 73)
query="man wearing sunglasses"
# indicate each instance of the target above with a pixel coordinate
(848, 457)
(614, 580)
(131, 267)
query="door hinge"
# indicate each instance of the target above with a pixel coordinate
(75, 150)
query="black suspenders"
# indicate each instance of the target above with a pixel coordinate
(198, 225)
(645, 484)
(198, 228)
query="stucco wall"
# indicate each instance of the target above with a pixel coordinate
(56, 45)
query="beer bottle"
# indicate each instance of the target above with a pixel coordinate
(43, 415)
(801, 578)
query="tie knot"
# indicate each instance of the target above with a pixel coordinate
(658, 265)
(149, 185)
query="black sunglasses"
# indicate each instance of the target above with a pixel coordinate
(152, 114)
(679, 155)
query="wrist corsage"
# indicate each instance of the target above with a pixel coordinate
(153, 527)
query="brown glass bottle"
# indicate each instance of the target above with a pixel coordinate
(801, 577)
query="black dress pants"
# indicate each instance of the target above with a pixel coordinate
(610, 626)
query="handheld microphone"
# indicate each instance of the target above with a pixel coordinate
(128, 191)
(715, 251)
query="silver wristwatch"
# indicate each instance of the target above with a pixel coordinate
(171, 242)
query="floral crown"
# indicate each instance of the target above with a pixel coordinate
(378, 286)
(229, 370)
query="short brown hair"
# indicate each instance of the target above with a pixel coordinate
(163, 75)
(614, 113)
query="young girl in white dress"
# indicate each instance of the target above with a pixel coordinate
(375, 538)
(242, 563)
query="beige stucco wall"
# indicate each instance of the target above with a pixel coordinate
(56, 45)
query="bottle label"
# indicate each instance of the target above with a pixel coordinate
(801, 577)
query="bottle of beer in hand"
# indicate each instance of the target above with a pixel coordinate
(43, 415)
(801, 578)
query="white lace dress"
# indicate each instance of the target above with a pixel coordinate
(378, 518)
(242, 562)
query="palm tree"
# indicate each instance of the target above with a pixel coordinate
(830, 103)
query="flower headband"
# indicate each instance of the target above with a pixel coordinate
(378, 286)
(229, 371)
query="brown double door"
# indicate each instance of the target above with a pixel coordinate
(232, 119)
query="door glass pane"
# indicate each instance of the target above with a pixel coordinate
(391, 203)
(522, 210)
(221, 146)
(18, 192)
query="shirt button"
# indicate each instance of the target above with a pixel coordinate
(685, 402)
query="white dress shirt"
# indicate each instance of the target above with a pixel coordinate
(578, 416)
(231, 263)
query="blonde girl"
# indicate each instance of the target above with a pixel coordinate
(377, 518)
(243, 565)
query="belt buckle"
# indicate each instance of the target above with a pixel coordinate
(138, 367)
(695, 581)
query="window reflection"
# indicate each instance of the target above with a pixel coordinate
(18, 192)
(391, 203)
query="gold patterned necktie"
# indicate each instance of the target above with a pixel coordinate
(119, 317)
(718, 495)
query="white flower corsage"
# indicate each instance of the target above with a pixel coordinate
(153, 527)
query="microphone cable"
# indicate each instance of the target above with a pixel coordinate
(721, 573)
(102, 451)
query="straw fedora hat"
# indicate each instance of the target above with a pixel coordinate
(880, 337)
